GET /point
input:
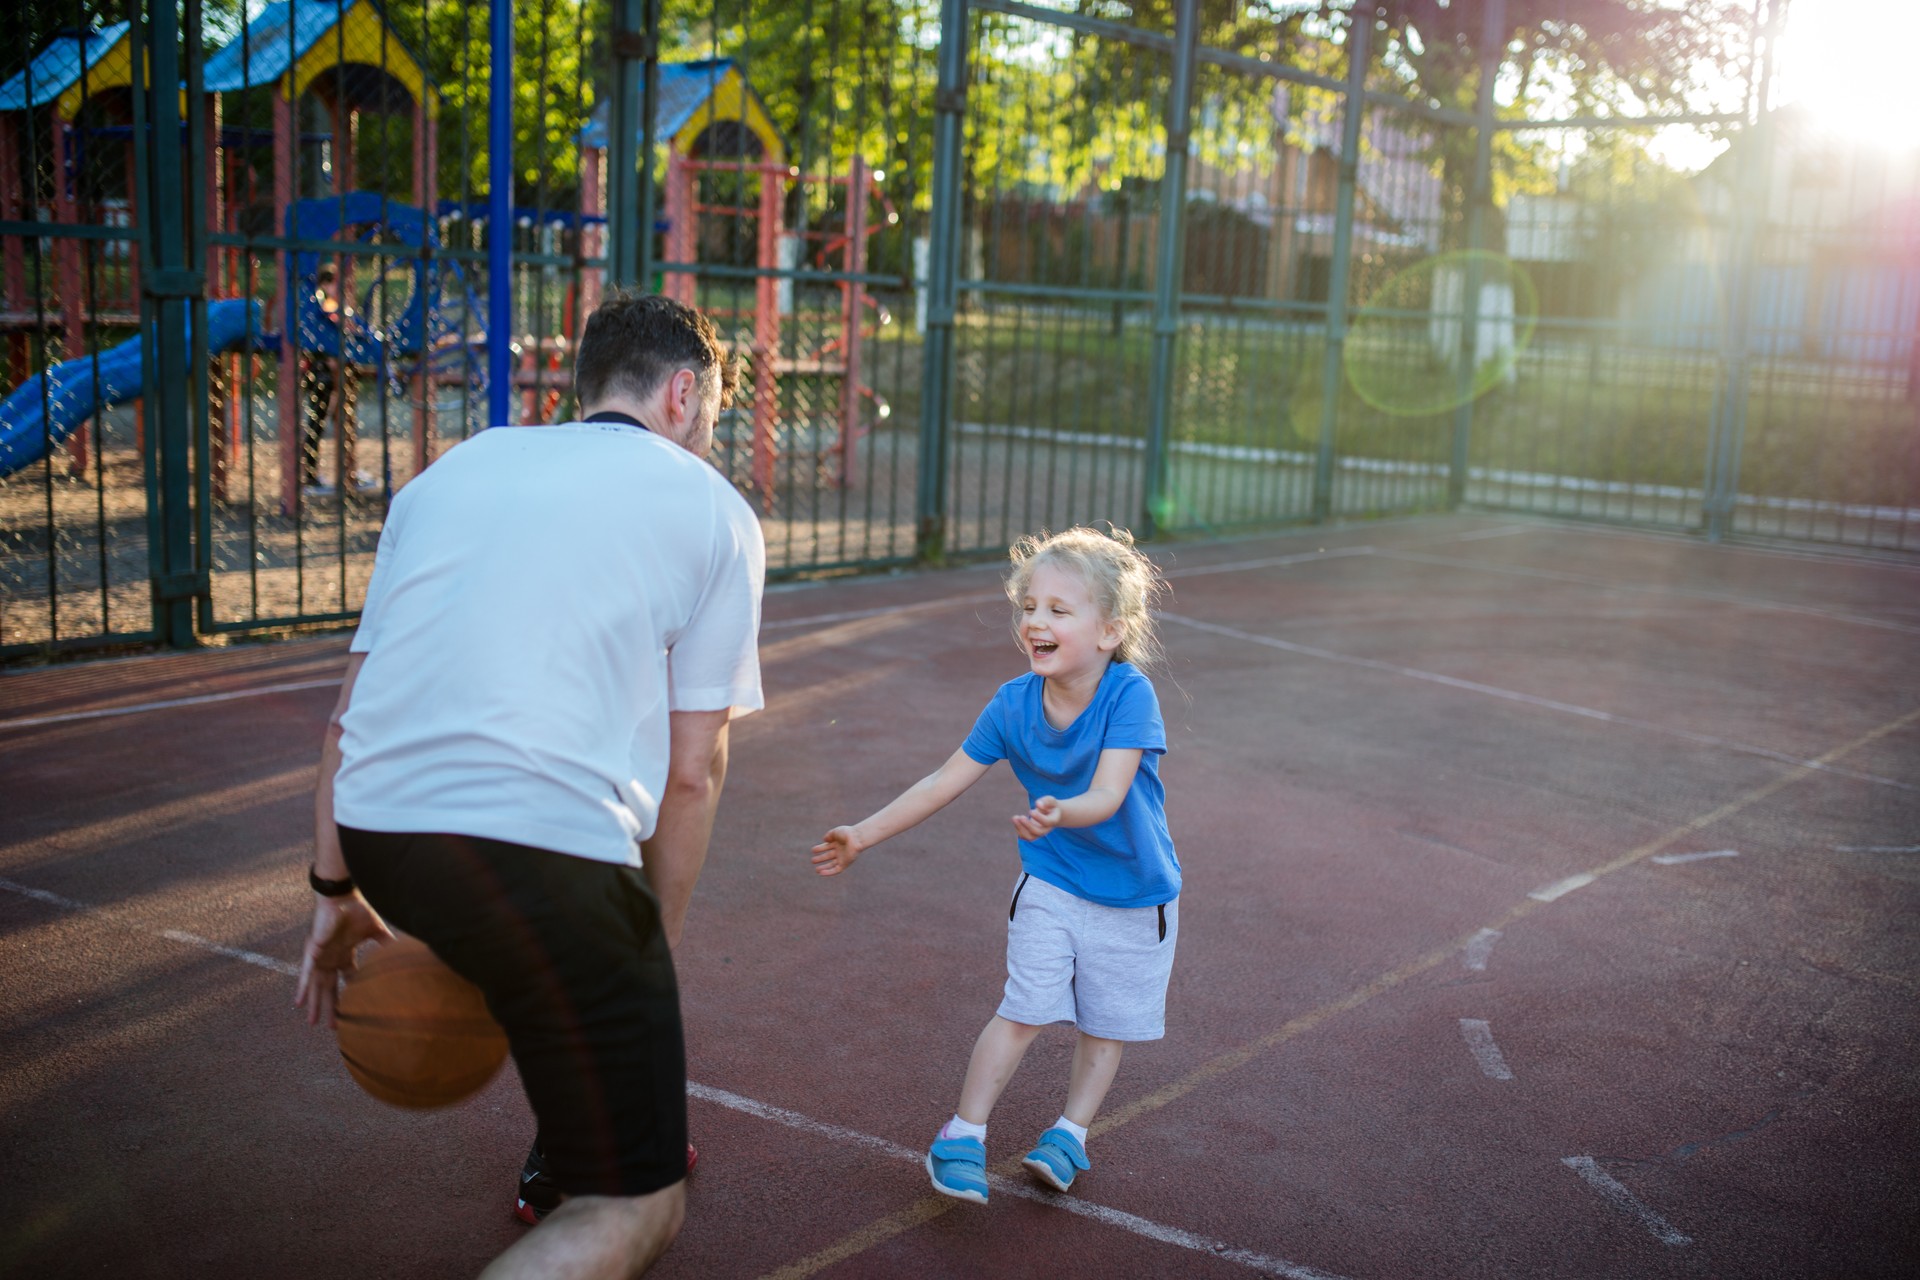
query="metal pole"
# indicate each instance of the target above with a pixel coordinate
(1172, 248)
(1727, 432)
(195, 558)
(936, 379)
(1493, 36)
(623, 126)
(1359, 53)
(171, 284)
(500, 216)
(630, 142)
(649, 110)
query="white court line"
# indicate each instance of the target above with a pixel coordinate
(794, 1120)
(1479, 1037)
(1479, 948)
(41, 895)
(171, 935)
(982, 597)
(1504, 531)
(1008, 1186)
(137, 708)
(1876, 848)
(1621, 1198)
(1265, 562)
(1561, 888)
(1550, 704)
(1269, 562)
(236, 953)
(1719, 597)
(854, 615)
(1674, 859)
(1772, 550)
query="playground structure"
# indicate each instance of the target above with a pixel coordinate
(79, 84)
(342, 56)
(351, 62)
(806, 396)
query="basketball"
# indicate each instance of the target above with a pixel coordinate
(413, 1032)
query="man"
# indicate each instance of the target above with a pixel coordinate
(529, 745)
(327, 384)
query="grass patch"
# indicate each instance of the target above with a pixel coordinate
(1592, 411)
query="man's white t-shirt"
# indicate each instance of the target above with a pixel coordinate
(541, 599)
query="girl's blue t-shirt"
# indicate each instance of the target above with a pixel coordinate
(1126, 861)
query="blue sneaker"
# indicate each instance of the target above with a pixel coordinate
(958, 1167)
(1057, 1158)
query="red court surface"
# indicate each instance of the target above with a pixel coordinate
(1552, 909)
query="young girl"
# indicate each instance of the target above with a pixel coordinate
(1095, 915)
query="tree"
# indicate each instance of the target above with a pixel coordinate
(1557, 58)
(556, 46)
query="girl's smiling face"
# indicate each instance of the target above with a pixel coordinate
(1061, 626)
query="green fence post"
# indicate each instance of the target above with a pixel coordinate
(649, 109)
(1353, 109)
(1493, 35)
(633, 43)
(171, 282)
(199, 162)
(943, 250)
(1172, 249)
(1727, 431)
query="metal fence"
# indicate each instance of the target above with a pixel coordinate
(990, 265)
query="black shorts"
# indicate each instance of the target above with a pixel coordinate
(575, 967)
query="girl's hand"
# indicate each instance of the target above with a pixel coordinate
(1037, 821)
(836, 851)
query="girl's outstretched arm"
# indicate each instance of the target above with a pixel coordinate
(836, 852)
(1100, 801)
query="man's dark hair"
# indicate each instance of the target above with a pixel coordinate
(635, 341)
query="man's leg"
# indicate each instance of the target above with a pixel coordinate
(591, 1237)
(347, 379)
(575, 967)
(316, 393)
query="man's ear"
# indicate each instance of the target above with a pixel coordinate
(683, 393)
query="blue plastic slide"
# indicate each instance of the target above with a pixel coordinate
(46, 408)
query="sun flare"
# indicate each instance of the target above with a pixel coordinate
(1851, 63)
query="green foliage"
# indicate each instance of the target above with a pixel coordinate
(1558, 58)
(838, 77)
(555, 47)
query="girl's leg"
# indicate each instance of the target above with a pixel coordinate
(995, 1055)
(1061, 1152)
(1094, 1063)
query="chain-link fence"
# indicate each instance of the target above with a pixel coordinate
(989, 265)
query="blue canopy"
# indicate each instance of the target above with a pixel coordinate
(58, 67)
(684, 86)
(275, 42)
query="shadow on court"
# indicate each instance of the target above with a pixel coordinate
(1552, 909)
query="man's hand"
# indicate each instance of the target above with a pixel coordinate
(1037, 821)
(837, 850)
(339, 926)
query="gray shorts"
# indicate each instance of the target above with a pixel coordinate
(1104, 969)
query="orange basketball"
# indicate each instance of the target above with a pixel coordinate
(415, 1033)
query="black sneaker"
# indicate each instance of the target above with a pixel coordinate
(539, 1196)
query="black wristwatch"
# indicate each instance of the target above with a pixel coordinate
(329, 888)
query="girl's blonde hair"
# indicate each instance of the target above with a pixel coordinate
(1123, 583)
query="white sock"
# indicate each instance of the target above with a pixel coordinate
(958, 1128)
(1077, 1130)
